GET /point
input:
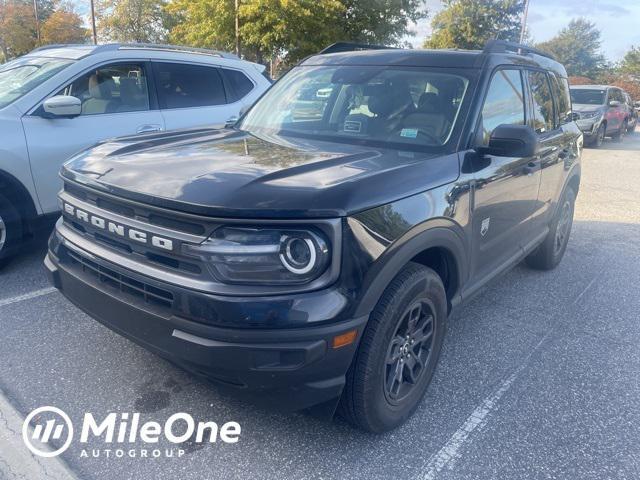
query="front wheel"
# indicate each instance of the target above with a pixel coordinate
(398, 352)
(548, 255)
(10, 230)
(599, 139)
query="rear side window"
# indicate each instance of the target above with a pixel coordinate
(560, 88)
(238, 84)
(543, 120)
(504, 103)
(182, 85)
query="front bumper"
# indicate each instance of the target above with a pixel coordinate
(284, 368)
(589, 127)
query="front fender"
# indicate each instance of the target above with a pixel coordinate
(442, 233)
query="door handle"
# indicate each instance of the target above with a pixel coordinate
(531, 167)
(149, 129)
(231, 121)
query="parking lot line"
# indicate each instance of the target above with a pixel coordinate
(27, 296)
(446, 456)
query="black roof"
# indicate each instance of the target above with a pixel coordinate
(495, 53)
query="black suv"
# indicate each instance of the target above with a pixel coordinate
(310, 256)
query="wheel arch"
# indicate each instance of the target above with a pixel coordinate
(438, 244)
(14, 191)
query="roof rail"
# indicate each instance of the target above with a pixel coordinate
(351, 47)
(502, 46)
(60, 45)
(175, 48)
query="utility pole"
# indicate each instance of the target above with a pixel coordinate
(237, 17)
(93, 23)
(35, 11)
(523, 30)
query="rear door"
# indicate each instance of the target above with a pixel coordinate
(506, 188)
(553, 145)
(192, 95)
(115, 102)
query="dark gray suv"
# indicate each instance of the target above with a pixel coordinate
(309, 257)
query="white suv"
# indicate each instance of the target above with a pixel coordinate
(59, 100)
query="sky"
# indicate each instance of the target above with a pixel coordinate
(617, 20)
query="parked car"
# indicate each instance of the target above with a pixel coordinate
(633, 118)
(601, 111)
(312, 262)
(59, 100)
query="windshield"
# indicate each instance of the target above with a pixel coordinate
(23, 75)
(357, 104)
(588, 97)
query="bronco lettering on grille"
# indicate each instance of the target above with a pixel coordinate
(118, 229)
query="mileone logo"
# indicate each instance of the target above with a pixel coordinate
(117, 228)
(124, 430)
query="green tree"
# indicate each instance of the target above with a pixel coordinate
(64, 26)
(469, 24)
(577, 46)
(142, 21)
(290, 29)
(379, 21)
(630, 64)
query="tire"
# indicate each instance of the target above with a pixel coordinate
(10, 230)
(379, 395)
(550, 252)
(632, 128)
(619, 136)
(599, 138)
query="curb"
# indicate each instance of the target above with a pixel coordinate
(16, 461)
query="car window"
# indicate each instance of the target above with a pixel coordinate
(181, 85)
(375, 105)
(239, 84)
(542, 114)
(504, 103)
(19, 77)
(113, 88)
(583, 96)
(560, 87)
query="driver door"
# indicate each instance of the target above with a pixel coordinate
(115, 102)
(506, 188)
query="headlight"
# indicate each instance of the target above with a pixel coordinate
(264, 256)
(585, 115)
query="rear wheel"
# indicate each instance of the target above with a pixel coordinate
(619, 136)
(550, 252)
(10, 230)
(398, 352)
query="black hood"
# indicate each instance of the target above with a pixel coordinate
(235, 174)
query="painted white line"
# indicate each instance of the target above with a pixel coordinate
(585, 290)
(27, 296)
(450, 451)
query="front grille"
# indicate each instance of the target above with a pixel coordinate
(122, 283)
(181, 223)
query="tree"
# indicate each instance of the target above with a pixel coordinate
(630, 64)
(379, 21)
(141, 21)
(290, 28)
(64, 26)
(17, 28)
(577, 46)
(469, 24)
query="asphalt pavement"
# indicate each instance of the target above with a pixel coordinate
(539, 376)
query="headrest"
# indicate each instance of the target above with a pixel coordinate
(100, 87)
(430, 103)
(394, 97)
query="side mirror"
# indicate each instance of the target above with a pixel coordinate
(636, 104)
(512, 141)
(614, 103)
(62, 106)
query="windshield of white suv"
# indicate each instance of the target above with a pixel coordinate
(362, 104)
(22, 75)
(582, 96)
